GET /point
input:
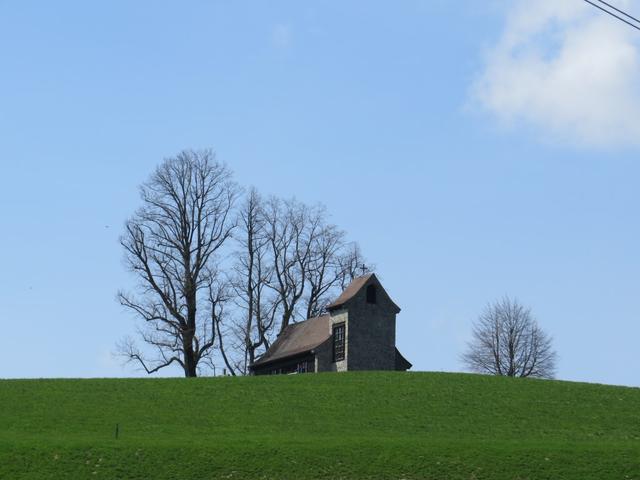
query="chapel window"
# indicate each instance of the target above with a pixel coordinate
(371, 294)
(338, 342)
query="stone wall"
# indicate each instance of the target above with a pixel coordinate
(324, 359)
(370, 333)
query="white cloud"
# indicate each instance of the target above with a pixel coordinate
(567, 69)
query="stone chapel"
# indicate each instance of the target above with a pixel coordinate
(358, 332)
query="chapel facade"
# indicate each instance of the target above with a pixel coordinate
(358, 332)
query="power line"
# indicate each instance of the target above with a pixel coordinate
(614, 15)
(619, 11)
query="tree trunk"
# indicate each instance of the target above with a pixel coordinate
(189, 359)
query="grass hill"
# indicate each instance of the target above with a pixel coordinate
(324, 426)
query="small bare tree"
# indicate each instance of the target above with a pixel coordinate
(508, 341)
(170, 244)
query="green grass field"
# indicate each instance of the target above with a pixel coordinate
(329, 426)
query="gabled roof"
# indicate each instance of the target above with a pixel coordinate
(351, 290)
(297, 339)
(355, 286)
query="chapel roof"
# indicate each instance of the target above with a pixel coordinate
(355, 286)
(351, 290)
(298, 338)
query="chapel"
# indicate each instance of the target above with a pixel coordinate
(358, 332)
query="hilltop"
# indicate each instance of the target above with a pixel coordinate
(329, 426)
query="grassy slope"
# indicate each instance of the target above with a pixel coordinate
(354, 425)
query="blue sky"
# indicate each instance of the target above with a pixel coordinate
(474, 149)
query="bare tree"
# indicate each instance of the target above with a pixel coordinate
(291, 228)
(170, 244)
(218, 296)
(290, 264)
(328, 268)
(508, 341)
(252, 274)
